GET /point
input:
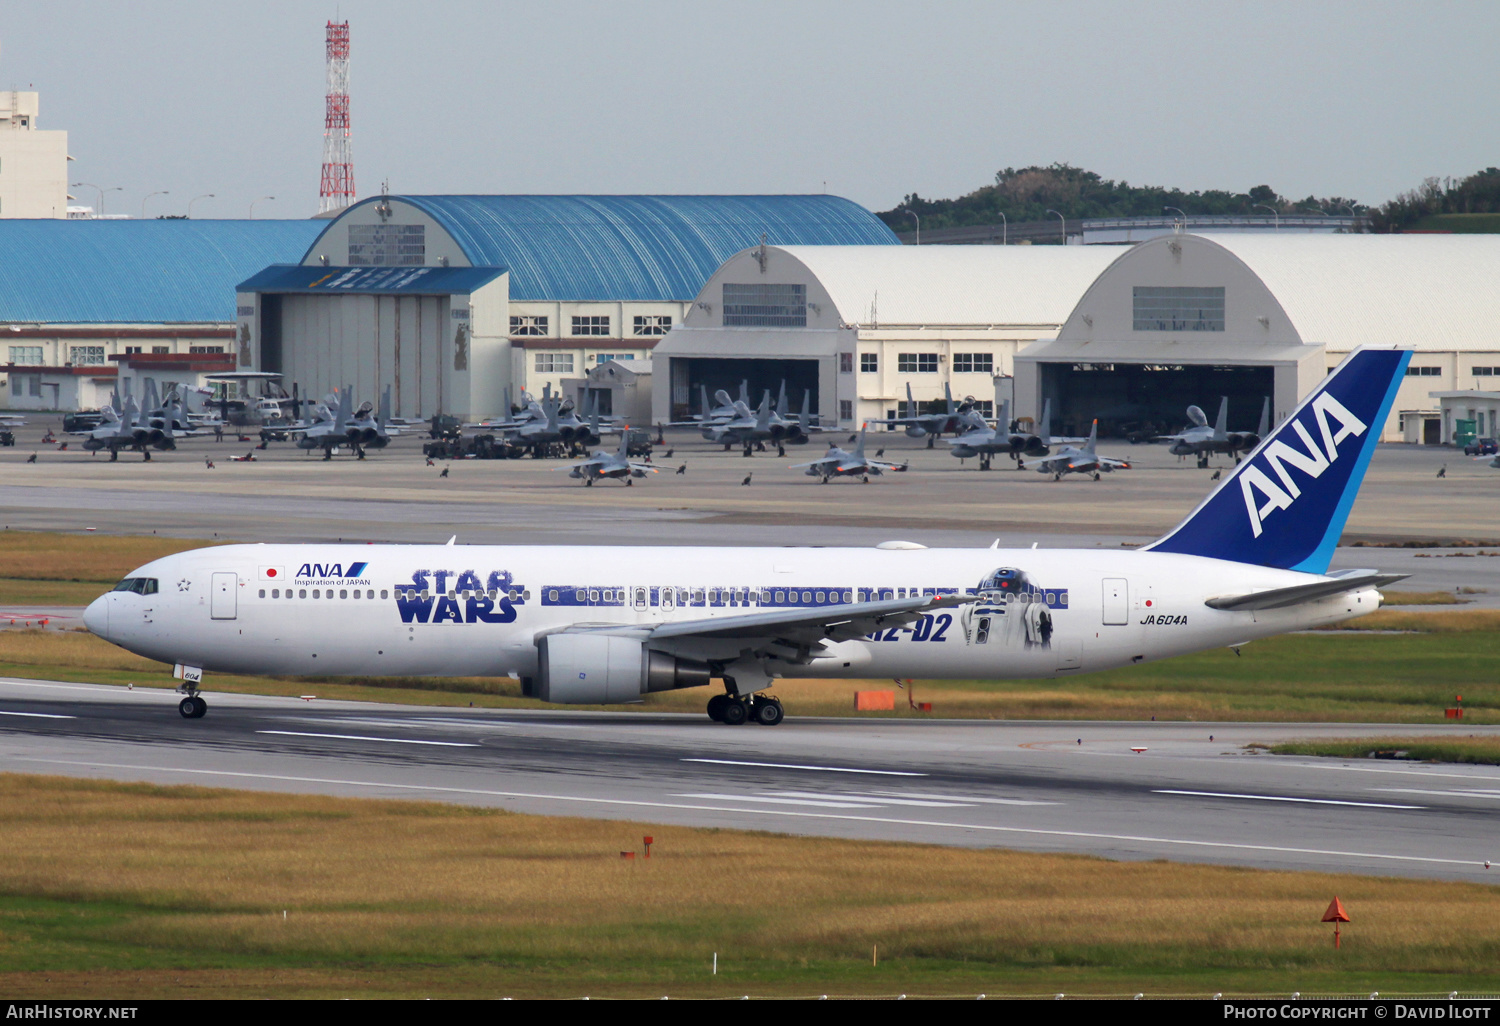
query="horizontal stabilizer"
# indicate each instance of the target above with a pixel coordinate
(1279, 598)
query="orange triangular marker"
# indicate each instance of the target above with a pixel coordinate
(1335, 913)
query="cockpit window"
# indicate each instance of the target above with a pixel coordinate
(139, 585)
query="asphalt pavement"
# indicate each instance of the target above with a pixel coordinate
(1194, 793)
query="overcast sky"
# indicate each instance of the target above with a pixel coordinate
(875, 99)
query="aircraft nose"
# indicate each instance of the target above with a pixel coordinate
(96, 616)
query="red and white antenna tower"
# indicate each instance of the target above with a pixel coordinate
(337, 190)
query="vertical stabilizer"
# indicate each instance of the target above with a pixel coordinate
(1286, 504)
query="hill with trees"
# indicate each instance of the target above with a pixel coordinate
(1470, 204)
(1026, 194)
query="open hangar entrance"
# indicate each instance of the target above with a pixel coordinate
(763, 375)
(1151, 399)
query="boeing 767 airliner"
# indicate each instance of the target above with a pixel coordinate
(610, 623)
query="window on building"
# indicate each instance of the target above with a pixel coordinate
(132, 349)
(1178, 308)
(161, 349)
(973, 363)
(387, 245)
(869, 363)
(846, 363)
(554, 363)
(26, 356)
(591, 325)
(917, 363)
(765, 306)
(26, 384)
(86, 356)
(606, 357)
(652, 324)
(1485, 372)
(205, 349)
(1423, 372)
(846, 409)
(535, 326)
(985, 408)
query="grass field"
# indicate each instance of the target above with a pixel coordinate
(1319, 676)
(144, 891)
(1482, 750)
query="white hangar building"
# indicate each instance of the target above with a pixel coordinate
(856, 324)
(1190, 318)
(451, 300)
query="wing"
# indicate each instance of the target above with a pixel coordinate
(800, 631)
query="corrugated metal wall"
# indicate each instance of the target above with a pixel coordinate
(370, 342)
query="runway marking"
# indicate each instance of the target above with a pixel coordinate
(878, 799)
(789, 813)
(819, 800)
(1492, 795)
(41, 716)
(820, 769)
(965, 798)
(1277, 798)
(357, 737)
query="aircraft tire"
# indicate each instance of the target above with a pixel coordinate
(736, 711)
(192, 707)
(769, 712)
(716, 706)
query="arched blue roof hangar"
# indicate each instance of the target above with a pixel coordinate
(450, 299)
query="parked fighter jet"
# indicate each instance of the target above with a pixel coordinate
(1202, 440)
(327, 430)
(123, 430)
(765, 425)
(931, 426)
(837, 462)
(367, 431)
(1079, 460)
(558, 425)
(617, 464)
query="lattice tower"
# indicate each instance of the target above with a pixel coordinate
(337, 190)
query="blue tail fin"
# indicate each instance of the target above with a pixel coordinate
(1286, 504)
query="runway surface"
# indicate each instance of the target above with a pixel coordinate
(1039, 786)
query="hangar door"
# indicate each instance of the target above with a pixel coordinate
(688, 373)
(1151, 399)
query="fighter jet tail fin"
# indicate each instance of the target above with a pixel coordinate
(1286, 504)
(383, 416)
(1221, 425)
(1265, 418)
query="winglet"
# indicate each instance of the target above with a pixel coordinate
(1286, 504)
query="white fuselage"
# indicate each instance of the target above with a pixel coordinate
(386, 610)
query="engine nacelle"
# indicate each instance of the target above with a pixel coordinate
(599, 669)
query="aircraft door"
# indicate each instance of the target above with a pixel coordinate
(638, 599)
(668, 598)
(1116, 602)
(225, 595)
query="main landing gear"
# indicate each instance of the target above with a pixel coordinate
(734, 710)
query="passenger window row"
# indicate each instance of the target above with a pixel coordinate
(326, 593)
